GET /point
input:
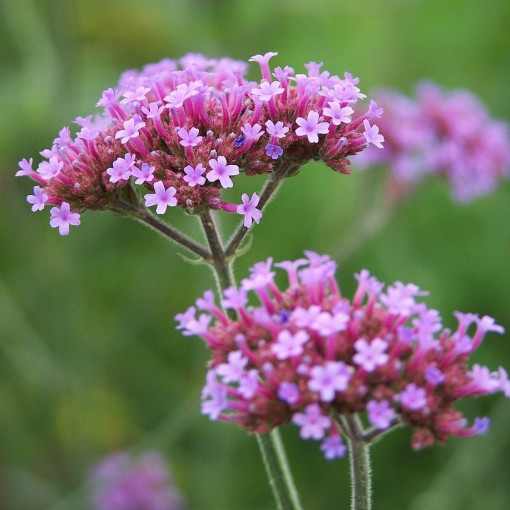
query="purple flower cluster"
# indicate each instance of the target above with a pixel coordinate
(309, 356)
(450, 134)
(123, 483)
(182, 130)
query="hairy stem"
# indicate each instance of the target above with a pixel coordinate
(270, 187)
(374, 434)
(145, 217)
(359, 459)
(278, 471)
(271, 446)
(222, 267)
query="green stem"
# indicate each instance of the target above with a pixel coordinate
(359, 459)
(373, 434)
(148, 219)
(284, 465)
(271, 446)
(278, 471)
(222, 268)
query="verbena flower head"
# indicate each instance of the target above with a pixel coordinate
(309, 355)
(445, 133)
(121, 482)
(183, 129)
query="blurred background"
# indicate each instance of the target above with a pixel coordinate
(90, 362)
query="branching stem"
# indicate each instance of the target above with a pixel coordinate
(220, 259)
(145, 217)
(271, 446)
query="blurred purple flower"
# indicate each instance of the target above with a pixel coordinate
(445, 133)
(122, 482)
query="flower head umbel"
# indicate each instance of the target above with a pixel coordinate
(309, 356)
(121, 482)
(450, 134)
(191, 126)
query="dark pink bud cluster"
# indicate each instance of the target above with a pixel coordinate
(309, 356)
(450, 134)
(121, 482)
(182, 130)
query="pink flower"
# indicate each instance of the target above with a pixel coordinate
(277, 130)
(344, 91)
(88, 133)
(308, 355)
(62, 217)
(215, 398)
(483, 381)
(288, 345)
(195, 176)
(122, 482)
(263, 61)
(249, 209)
(442, 133)
(311, 127)
(370, 355)
(189, 138)
(333, 447)
(177, 97)
(326, 323)
(413, 397)
(122, 168)
(288, 392)
(312, 422)
(234, 369)
(234, 298)
(185, 318)
(338, 113)
(50, 169)
(154, 111)
(333, 376)
(144, 174)
(434, 376)
(26, 167)
(252, 132)
(222, 172)
(372, 135)
(196, 326)
(162, 197)
(400, 298)
(380, 414)
(206, 302)
(136, 95)
(249, 383)
(275, 151)
(266, 91)
(177, 117)
(131, 130)
(38, 199)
